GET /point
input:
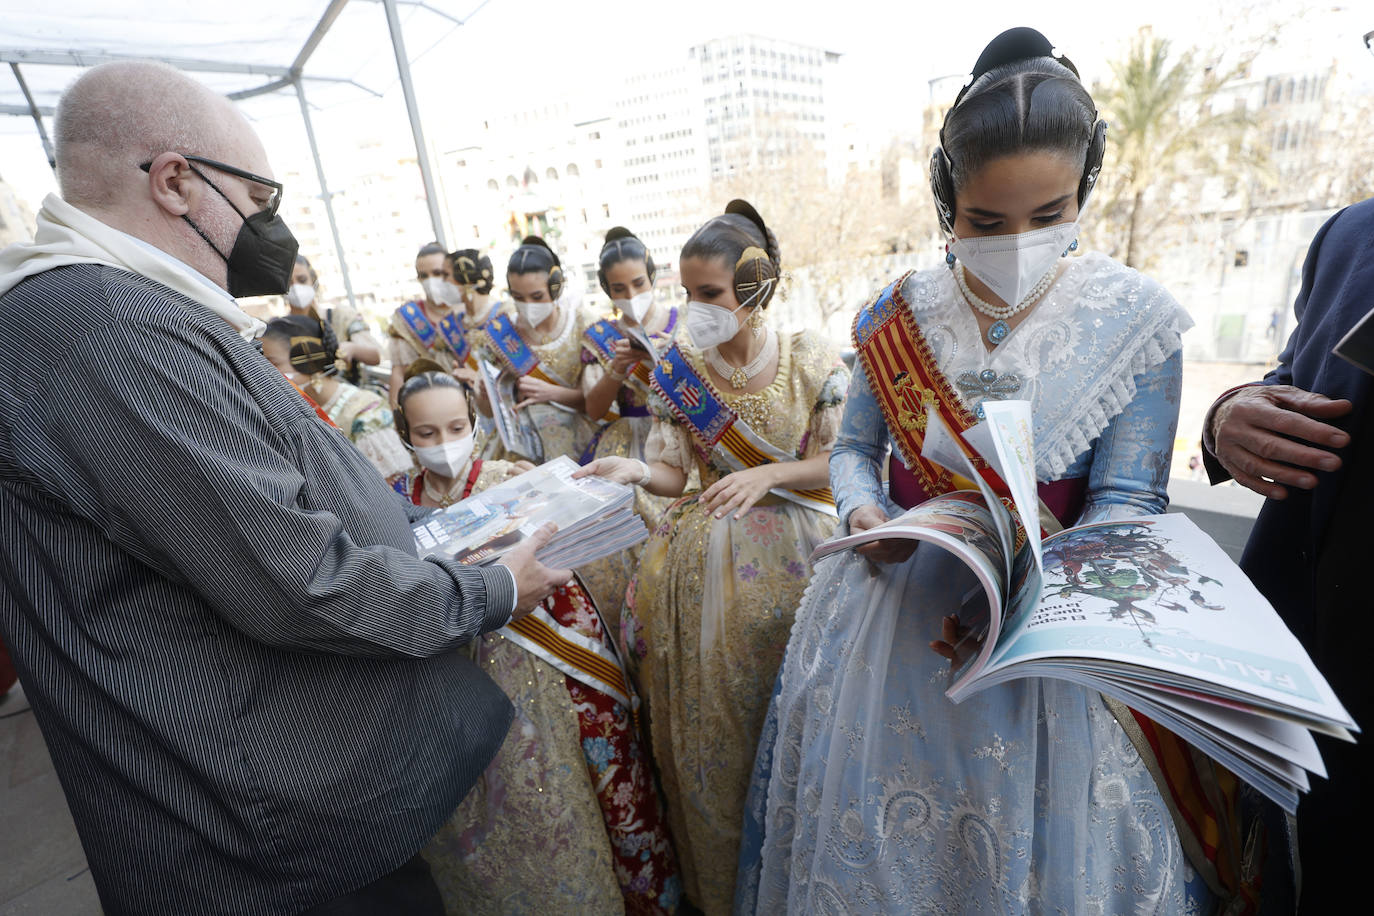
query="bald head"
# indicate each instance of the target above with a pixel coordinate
(119, 115)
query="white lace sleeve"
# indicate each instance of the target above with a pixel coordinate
(670, 444)
(592, 372)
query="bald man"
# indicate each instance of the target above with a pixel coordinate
(246, 678)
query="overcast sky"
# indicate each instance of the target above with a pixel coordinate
(519, 54)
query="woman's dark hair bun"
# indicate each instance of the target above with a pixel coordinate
(313, 345)
(534, 254)
(622, 245)
(727, 237)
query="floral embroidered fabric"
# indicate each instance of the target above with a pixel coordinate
(707, 617)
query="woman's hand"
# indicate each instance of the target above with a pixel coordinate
(535, 391)
(522, 465)
(467, 376)
(889, 550)
(739, 491)
(347, 350)
(626, 358)
(954, 643)
(620, 470)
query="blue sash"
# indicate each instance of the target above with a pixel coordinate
(510, 346)
(419, 325)
(691, 398)
(603, 336)
(452, 329)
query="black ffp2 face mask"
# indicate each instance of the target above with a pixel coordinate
(264, 253)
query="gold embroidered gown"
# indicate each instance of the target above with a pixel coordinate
(708, 615)
(565, 819)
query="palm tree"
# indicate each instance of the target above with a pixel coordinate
(1172, 124)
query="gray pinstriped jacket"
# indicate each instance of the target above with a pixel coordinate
(244, 675)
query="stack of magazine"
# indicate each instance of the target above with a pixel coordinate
(595, 519)
(1147, 610)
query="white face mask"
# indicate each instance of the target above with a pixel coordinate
(300, 295)
(1011, 265)
(534, 313)
(636, 307)
(434, 289)
(448, 458)
(450, 294)
(711, 325)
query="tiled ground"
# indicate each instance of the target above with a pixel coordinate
(42, 868)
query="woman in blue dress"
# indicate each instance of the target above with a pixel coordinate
(873, 793)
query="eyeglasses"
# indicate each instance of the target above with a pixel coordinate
(273, 202)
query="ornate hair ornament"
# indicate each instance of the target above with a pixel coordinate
(1016, 44)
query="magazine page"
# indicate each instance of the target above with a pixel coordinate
(1156, 596)
(961, 523)
(1357, 346)
(517, 434)
(942, 447)
(1021, 551)
(642, 341)
(1005, 440)
(482, 528)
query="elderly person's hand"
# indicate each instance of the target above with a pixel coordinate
(1270, 437)
(533, 580)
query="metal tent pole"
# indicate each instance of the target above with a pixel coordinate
(325, 194)
(393, 22)
(36, 115)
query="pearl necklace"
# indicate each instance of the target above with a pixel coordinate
(999, 329)
(447, 499)
(739, 376)
(1003, 312)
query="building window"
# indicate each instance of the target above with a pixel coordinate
(493, 186)
(572, 171)
(551, 173)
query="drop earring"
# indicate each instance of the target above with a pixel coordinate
(1073, 246)
(755, 321)
(949, 257)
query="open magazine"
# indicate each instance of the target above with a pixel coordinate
(1357, 346)
(516, 430)
(641, 341)
(595, 518)
(1147, 610)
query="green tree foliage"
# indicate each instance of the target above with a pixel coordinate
(1175, 121)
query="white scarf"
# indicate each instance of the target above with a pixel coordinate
(67, 235)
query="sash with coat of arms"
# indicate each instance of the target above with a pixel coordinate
(720, 431)
(515, 354)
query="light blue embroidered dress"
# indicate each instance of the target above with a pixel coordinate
(873, 792)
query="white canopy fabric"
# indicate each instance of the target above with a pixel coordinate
(277, 53)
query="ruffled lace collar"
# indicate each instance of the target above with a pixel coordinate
(1074, 357)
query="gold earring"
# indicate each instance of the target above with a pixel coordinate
(756, 321)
